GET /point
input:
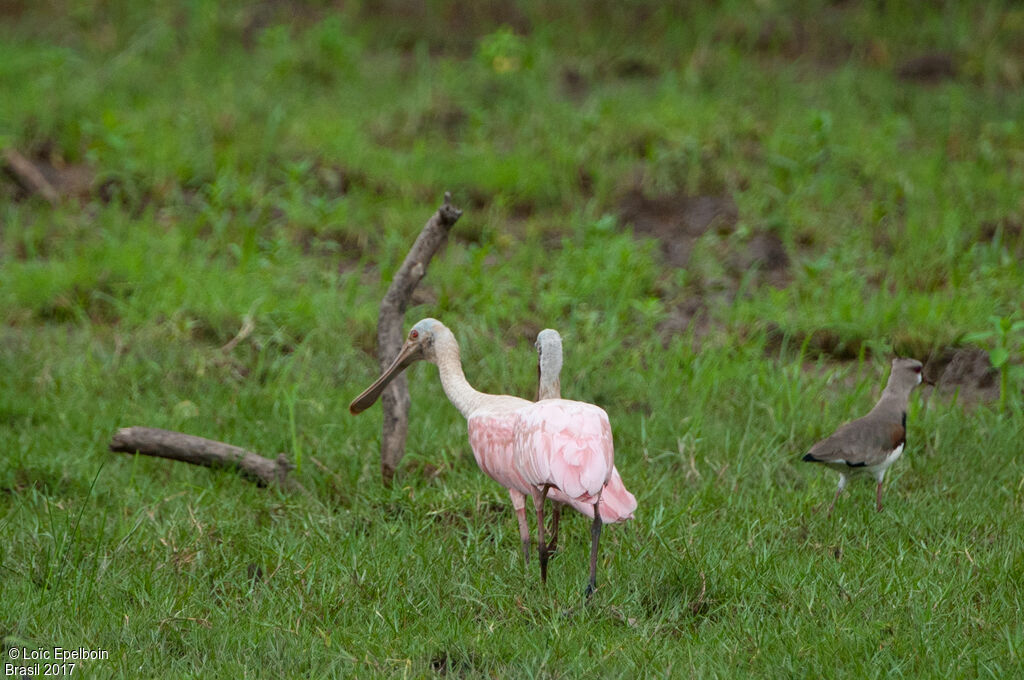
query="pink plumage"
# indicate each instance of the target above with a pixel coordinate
(553, 448)
(564, 444)
(617, 503)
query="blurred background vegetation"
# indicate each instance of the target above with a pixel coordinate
(848, 142)
(734, 212)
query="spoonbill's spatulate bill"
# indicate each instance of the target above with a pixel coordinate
(869, 445)
(555, 446)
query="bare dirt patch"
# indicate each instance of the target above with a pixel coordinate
(687, 314)
(46, 174)
(964, 372)
(928, 69)
(449, 28)
(442, 118)
(793, 37)
(260, 16)
(349, 247)
(333, 180)
(766, 254)
(677, 220)
(1007, 233)
(575, 85)
(633, 67)
(839, 344)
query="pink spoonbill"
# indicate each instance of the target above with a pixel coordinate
(554, 445)
(618, 504)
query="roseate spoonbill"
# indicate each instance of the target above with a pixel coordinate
(556, 445)
(869, 445)
(618, 504)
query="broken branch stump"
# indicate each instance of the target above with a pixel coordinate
(151, 441)
(29, 176)
(395, 399)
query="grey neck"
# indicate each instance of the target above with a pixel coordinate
(548, 388)
(549, 368)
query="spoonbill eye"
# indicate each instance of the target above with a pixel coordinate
(917, 369)
(414, 334)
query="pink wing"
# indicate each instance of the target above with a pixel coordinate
(567, 444)
(491, 438)
(617, 503)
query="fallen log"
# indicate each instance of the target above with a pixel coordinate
(151, 441)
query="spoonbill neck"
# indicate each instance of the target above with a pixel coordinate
(453, 380)
(548, 387)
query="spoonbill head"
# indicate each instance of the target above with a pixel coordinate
(419, 345)
(549, 364)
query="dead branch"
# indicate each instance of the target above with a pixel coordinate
(247, 328)
(187, 448)
(390, 332)
(29, 176)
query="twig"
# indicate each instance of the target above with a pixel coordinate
(187, 448)
(29, 176)
(395, 399)
(247, 328)
(698, 604)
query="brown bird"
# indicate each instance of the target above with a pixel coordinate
(869, 445)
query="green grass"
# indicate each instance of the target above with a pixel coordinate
(275, 164)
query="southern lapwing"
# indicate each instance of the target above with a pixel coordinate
(869, 445)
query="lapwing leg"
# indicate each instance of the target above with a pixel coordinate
(542, 547)
(519, 505)
(595, 536)
(834, 499)
(879, 476)
(842, 485)
(556, 513)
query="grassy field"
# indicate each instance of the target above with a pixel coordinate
(807, 200)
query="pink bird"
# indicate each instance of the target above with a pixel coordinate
(618, 504)
(534, 449)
